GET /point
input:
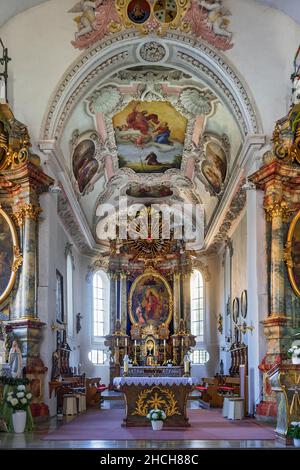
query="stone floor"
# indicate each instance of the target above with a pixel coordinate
(34, 440)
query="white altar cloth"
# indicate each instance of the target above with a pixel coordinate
(119, 381)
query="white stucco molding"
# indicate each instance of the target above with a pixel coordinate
(252, 144)
(56, 160)
(121, 51)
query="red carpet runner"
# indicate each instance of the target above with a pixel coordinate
(205, 425)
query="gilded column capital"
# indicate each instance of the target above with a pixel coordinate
(278, 209)
(27, 211)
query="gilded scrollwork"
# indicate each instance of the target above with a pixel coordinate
(156, 398)
(14, 140)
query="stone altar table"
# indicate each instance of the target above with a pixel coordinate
(166, 393)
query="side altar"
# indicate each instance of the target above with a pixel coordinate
(166, 393)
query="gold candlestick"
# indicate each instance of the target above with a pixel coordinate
(165, 353)
(135, 362)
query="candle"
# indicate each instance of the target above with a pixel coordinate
(186, 367)
(117, 341)
(126, 342)
(135, 342)
(164, 343)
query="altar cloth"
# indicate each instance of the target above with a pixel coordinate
(150, 381)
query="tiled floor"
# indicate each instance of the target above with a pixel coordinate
(34, 440)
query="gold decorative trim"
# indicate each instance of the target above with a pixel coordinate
(288, 254)
(156, 397)
(153, 22)
(17, 259)
(27, 211)
(278, 209)
(150, 272)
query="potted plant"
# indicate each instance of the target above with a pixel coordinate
(294, 432)
(169, 363)
(157, 418)
(294, 352)
(19, 401)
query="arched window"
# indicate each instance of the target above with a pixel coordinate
(197, 305)
(100, 304)
(70, 308)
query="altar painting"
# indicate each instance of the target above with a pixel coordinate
(150, 136)
(150, 301)
(10, 259)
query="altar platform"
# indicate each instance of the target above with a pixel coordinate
(166, 393)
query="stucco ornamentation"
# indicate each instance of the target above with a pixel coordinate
(103, 100)
(152, 52)
(197, 102)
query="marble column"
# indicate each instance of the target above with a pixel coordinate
(123, 305)
(113, 305)
(26, 299)
(186, 291)
(176, 300)
(276, 214)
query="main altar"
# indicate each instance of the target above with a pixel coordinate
(143, 394)
(150, 337)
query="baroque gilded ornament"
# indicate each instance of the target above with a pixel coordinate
(14, 140)
(97, 19)
(278, 209)
(157, 397)
(27, 211)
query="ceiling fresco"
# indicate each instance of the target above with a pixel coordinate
(149, 134)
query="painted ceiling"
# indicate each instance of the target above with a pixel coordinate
(12, 7)
(168, 138)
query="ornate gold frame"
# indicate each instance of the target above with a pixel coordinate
(18, 259)
(288, 254)
(182, 6)
(150, 272)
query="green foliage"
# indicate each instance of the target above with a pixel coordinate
(177, 161)
(13, 382)
(122, 161)
(156, 415)
(294, 430)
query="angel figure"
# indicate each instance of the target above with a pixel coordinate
(217, 16)
(86, 20)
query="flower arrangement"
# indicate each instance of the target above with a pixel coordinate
(294, 430)
(19, 399)
(156, 415)
(294, 351)
(169, 362)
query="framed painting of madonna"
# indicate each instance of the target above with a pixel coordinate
(150, 300)
(10, 258)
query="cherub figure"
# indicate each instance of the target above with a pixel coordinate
(217, 16)
(85, 21)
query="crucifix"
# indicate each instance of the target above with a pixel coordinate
(4, 75)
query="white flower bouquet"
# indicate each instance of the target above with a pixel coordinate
(19, 399)
(294, 351)
(156, 415)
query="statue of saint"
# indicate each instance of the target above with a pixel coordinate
(15, 361)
